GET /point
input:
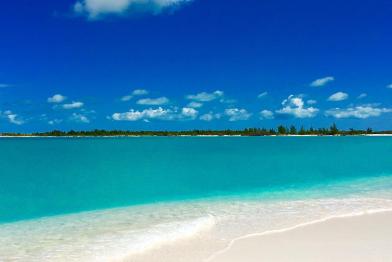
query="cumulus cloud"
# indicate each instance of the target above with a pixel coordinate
(205, 97)
(227, 101)
(73, 105)
(153, 101)
(311, 102)
(97, 9)
(12, 117)
(126, 98)
(363, 95)
(55, 121)
(194, 104)
(80, 118)
(186, 113)
(189, 112)
(135, 115)
(361, 112)
(136, 92)
(57, 98)
(295, 106)
(322, 81)
(15, 119)
(236, 114)
(266, 114)
(261, 95)
(139, 92)
(210, 116)
(339, 96)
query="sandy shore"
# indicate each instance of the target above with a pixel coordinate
(361, 238)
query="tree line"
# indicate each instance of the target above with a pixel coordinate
(279, 131)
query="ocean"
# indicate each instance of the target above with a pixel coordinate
(136, 198)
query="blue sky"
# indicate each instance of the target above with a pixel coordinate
(184, 64)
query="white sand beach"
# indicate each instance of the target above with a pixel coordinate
(360, 238)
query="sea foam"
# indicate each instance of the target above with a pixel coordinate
(163, 229)
(111, 235)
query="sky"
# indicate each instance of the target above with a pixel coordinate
(194, 64)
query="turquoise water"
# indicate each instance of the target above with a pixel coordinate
(177, 199)
(52, 176)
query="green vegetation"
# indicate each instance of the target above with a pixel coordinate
(279, 131)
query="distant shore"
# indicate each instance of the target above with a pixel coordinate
(278, 131)
(124, 136)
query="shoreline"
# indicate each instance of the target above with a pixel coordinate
(181, 240)
(136, 136)
(306, 234)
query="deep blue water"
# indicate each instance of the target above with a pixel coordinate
(50, 176)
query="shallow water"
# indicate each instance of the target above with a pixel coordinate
(205, 190)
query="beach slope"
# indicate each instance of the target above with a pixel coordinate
(360, 238)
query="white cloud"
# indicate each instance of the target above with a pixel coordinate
(339, 96)
(194, 104)
(96, 9)
(12, 118)
(295, 106)
(389, 86)
(55, 121)
(205, 97)
(160, 113)
(126, 98)
(128, 116)
(153, 101)
(210, 116)
(79, 118)
(266, 114)
(311, 102)
(361, 112)
(322, 81)
(57, 98)
(207, 117)
(135, 115)
(262, 95)
(236, 114)
(140, 92)
(363, 95)
(73, 105)
(189, 112)
(227, 101)
(136, 92)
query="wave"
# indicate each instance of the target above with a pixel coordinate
(93, 236)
